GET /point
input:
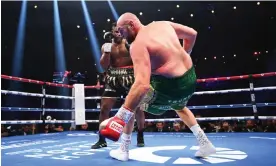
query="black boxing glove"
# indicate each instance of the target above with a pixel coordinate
(108, 36)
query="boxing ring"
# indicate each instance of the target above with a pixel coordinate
(73, 147)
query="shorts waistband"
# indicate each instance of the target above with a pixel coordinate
(188, 72)
(122, 67)
(126, 67)
(120, 71)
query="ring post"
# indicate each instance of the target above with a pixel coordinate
(73, 124)
(253, 98)
(98, 91)
(79, 104)
(42, 115)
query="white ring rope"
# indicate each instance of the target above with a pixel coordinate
(147, 120)
(234, 90)
(116, 109)
(99, 97)
(93, 98)
(35, 94)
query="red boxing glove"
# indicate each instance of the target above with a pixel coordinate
(112, 128)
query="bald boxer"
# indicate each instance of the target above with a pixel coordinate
(165, 79)
(119, 77)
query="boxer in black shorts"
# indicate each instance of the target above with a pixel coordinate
(119, 77)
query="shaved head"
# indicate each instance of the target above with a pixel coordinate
(129, 25)
(126, 18)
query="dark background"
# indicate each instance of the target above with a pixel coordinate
(248, 29)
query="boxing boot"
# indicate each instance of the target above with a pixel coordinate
(140, 139)
(122, 153)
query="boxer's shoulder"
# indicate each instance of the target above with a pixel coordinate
(137, 45)
(157, 25)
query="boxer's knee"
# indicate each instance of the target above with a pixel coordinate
(106, 106)
(187, 116)
(105, 109)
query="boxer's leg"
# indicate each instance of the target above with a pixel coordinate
(106, 106)
(206, 147)
(126, 136)
(140, 120)
(187, 117)
(108, 100)
(122, 152)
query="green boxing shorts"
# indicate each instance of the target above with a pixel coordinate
(169, 93)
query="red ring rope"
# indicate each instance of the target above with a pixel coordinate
(241, 77)
(101, 86)
(47, 83)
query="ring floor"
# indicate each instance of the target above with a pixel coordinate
(73, 148)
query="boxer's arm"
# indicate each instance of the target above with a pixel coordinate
(142, 72)
(105, 58)
(187, 34)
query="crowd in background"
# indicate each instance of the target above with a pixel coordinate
(215, 126)
(207, 126)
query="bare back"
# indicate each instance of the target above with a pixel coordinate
(120, 55)
(168, 58)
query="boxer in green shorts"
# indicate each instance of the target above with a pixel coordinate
(165, 79)
(170, 93)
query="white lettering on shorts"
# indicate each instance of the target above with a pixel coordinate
(182, 101)
(116, 127)
(163, 107)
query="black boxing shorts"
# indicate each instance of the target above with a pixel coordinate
(118, 81)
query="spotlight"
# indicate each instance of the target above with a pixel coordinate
(78, 26)
(95, 64)
(159, 10)
(86, 38)
(257, 59)
(103, 30)
(215, 57)
(205, 58)
(224, 62)
(177, 6)
(222, 56)
(108, 20)
(235, 55)
(258, 3)
(35, 6)
(266, 51)
(209, 27)
(93, 23)
(78, 57)
(172, 18)
(191, 15)
(213, 11)
(141, 13)
(235, 7)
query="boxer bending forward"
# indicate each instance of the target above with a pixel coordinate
(119, 78)
(165, 79)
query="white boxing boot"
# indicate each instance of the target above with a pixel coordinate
(119, 155)
(206, 148)
(122, 153)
